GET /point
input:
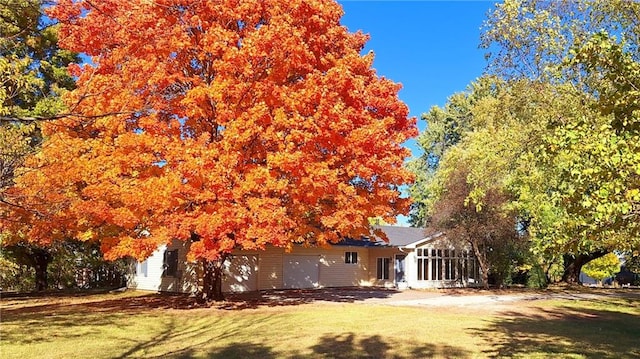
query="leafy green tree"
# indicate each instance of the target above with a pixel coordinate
(558, 130)
(604, 267)
(33, 68)
(69, 264)
(589, 154)
(33, 72)
(446, 127)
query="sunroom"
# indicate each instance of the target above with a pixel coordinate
(439, 264)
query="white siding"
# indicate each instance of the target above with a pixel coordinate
(185, 279)
(270, 268)
(152, 277)
(374, 254)
(241, 274)
(264, 270)
(300, 271)
(334, 272)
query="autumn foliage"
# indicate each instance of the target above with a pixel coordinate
(237, 123)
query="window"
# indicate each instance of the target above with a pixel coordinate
(436, 264)
(383, 268)
(170, 263)
(142, 268)
(351, 257)
(449, 265)
(446, 264)
(423, 264)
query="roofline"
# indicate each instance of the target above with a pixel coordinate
(424, 240)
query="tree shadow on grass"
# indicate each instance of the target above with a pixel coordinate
(195, 349)
(242, 351)
(41, 308)
(344, 346)
(292, 297)
(181, 301)
(597, 332)
(92, 317)
(232, 351)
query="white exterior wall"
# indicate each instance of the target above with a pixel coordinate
(412, 268)
(185, 279)
(270, 268)
(263, 270)
(241, 273)
(147, 275)
(334, 272)
(382, 252)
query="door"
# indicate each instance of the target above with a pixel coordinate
(399, 268)
(300, 271)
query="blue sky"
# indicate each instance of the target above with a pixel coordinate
(430, 47)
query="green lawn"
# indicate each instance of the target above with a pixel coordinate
(137, 325)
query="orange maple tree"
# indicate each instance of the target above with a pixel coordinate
(228, 124)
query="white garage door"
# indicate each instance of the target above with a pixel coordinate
(241, 274)
(300, 271)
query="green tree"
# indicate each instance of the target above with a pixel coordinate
(446, 127)
(604, 267)
(33, 73)
(589, 154)
(33, 68)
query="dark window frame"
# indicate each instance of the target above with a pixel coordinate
(351, 257)
(383, 266)
(170, 263)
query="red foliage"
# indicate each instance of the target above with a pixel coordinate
(247, 123)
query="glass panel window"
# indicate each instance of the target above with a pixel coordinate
(142, 268)
(351, 257)
(170, 263)
(383, 268)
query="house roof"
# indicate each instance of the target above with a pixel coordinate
(402, 236)
(398, 237)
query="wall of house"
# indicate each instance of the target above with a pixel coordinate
(150, 274)
(427, 280)
(264, 270)
(261, 270)
(332, 269)
(334, 272)
(372, 275)
(147, 275)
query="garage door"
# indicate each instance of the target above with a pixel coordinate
(241, 274)
(300, 271)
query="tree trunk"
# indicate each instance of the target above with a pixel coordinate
(481, 257)
(485, 276)
(573, 265)
(41, 259)
(212, 280)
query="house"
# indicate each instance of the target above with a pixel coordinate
(410, 259)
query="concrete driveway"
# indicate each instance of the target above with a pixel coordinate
(432, 298)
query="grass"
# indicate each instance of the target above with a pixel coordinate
(142, 325)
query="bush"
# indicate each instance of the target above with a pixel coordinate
(15, 277)
(536, 277)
